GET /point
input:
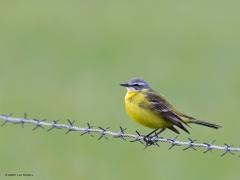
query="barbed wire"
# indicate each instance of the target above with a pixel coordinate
(151, 140)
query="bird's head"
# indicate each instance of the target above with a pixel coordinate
(136, 85)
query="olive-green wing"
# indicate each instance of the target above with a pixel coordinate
(162, 107)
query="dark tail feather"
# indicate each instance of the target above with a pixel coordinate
(204, 123)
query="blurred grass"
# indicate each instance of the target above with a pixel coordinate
(65, 60)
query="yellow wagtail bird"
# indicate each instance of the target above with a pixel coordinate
(150, 109)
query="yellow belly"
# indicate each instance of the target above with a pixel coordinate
(142, 115)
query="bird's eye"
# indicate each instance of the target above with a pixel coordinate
(136, 85)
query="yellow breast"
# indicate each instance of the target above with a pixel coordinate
(142, 115)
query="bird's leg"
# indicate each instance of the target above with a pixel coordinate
(151, 133)
(148, 138)
(163, 129)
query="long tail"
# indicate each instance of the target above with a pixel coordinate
(190, 119)
(204, 123)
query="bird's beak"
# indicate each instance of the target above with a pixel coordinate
(125, 85)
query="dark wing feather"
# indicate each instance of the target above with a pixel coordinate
(165, 109)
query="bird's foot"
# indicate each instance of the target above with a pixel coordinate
(152, 138)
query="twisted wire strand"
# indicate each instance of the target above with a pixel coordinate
(153, 140)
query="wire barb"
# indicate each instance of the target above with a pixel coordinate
(103, 132)
(138, 138)
(227, 150)
(191, 144)
(173, 143)
(87, 130)
(70, 126)
(121, 134)
(38, 125)
(54, 125)
(6, 118)
(209, 147)
(147, 140)
(23, 120)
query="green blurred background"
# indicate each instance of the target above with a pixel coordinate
(65, 59)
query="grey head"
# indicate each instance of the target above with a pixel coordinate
(136, 84)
